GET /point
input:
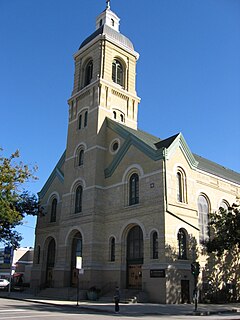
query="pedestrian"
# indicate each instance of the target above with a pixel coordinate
(116, 299)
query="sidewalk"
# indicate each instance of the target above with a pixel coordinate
(130, 309)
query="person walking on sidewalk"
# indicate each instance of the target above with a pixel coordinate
(116, 299)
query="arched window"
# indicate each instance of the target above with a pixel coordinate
(53, 210)
(224, 204)
(117, 72)
(112, 249)
(80, 122)
(114, 115)
(88, 73)
(135, 245)
(112, 22)
(78, 199)
(182, 244)
(134, 189)
(203, 218)
(85, 119)
(51, 252)
(76, 253)
(154, 245)
(122, 117)
(181, 186)
(80, 157)
(76, 248)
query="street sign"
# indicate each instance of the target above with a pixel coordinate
(79, 262)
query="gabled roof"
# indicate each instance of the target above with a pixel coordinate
(156, 149)
(57, 172)
(124, 131)
(216, 169)
(153, 147)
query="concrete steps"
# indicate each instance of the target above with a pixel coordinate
(127, 296)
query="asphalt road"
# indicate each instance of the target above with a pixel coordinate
(15, 309)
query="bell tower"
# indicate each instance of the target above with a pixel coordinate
(105, 78)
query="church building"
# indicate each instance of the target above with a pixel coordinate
(123, 207)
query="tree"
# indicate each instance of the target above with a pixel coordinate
(224, 230)
(15, 202)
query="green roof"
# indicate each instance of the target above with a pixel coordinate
(217, 169)
(157, 143)
(153, 145)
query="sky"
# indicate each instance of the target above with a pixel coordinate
(188, 75)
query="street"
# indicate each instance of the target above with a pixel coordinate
(15, 309)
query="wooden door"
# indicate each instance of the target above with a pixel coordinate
(135, 276)
(74, 277)
(185, 296)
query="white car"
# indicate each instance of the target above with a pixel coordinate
(4, 283)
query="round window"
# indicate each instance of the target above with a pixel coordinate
(114, 146)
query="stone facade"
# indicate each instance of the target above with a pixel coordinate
(118, 196)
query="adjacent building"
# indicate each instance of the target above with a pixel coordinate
(133, 206)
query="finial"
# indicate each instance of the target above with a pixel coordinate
(108, 4)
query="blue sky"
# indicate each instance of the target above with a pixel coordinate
(188, 75)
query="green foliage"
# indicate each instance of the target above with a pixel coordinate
(14, 201)
(224, 230)
(195, 268)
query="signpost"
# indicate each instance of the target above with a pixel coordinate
(195, 269)
(6, 257)
(80, 271)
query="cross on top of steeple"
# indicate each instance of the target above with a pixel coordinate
(108, 4)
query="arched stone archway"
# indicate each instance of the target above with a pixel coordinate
(51, 252)
(76, 251)
(135, 257)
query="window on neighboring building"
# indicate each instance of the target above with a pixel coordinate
(181, 186)
(112, 249)
(134, 189)
(85, 119)
(78, 199)
(118, 72)
(88, 73)
(80, 157)
(154, 245)
(53, 210)
(203, 218)
(182, 244)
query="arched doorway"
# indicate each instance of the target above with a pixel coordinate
(134, 258)
(76, 251)
(50, 263)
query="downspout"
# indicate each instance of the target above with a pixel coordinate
(164, 152)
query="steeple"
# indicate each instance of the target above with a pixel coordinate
(105, 77)
(108, 17)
